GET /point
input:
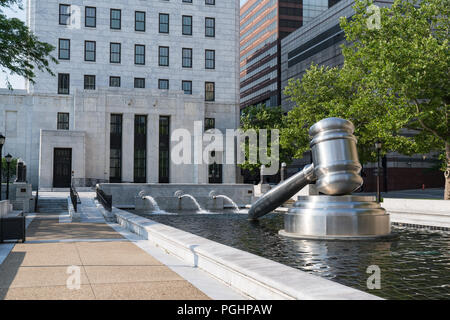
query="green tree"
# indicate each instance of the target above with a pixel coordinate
(395, 78)
(12, 170)
(21, 53)
(262, 117)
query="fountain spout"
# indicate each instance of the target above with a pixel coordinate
(234, 204)
(200, 209)
(213, 195)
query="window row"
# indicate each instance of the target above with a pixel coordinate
(115, 55)
(139, 83)
(90, 20)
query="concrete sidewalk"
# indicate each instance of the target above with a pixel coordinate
(431, 193)
(110, 266)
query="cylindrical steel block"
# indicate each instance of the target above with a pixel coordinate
(335, 157)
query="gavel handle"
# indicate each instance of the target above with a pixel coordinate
(282, 192)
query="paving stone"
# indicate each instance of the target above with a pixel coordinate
(158, 290)
(43, 255)
(51, 229)
(26, 277)
(121, 274)
(114, 254)
(47, 293)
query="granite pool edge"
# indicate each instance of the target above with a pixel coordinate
(254, 276)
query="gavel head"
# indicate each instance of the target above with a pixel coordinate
(335, 157)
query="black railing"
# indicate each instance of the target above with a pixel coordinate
(105, 199)
(74, 198)
(36, 201)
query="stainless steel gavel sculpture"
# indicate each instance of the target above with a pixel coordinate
(335, 167)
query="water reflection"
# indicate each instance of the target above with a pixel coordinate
(415, 266)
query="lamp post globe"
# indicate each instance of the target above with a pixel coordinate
(378, 145)
(8, 158)
(2, 142)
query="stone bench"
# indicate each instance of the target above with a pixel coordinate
(12, 223)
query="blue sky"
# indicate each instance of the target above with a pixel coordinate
(18, 82)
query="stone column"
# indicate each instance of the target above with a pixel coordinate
(152, 148)
(128, 147)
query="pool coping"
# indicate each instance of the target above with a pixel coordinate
(252, 275)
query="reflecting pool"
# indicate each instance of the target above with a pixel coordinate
(414, 266)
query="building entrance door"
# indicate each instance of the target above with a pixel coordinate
(215, 173)
(62, 167)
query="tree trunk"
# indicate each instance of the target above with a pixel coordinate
(447, 172)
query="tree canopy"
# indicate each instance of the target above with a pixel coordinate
(394, 80)
(263, 117)
(21, 52)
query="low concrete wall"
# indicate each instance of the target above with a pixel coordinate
(433, 213)
(12, 191)
(123, 194)
(254, 276)
(5, 208)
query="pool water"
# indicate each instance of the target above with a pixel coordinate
(416, 265)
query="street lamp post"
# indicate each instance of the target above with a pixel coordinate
(378, 147)
(8, 158)
(2, 142)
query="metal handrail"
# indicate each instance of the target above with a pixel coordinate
(74, 197)
(36, 201)
(105, 199)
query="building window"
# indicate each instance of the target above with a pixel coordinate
(89, 82)
(163, 56)
(63, 121)
(187, 1)
(332, 3)
(64, 14)
(63, 83)
(186, 86)
(164, 149)
(163, 23)
(90, 17)
(116, 19)
(139, 54)
(89, 50)
(115, 49)
(210, 123)
(114, 82)
(163, 84)
(210, 2)
(209, 91)
(215, 171)
(139, 21)
(210, 27)
(140, 149)
(64, 49)
(115, 155)
(187, 58)
(210, 59)
(139, 83)
(187, 25)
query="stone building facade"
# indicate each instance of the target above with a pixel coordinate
(129, 74)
